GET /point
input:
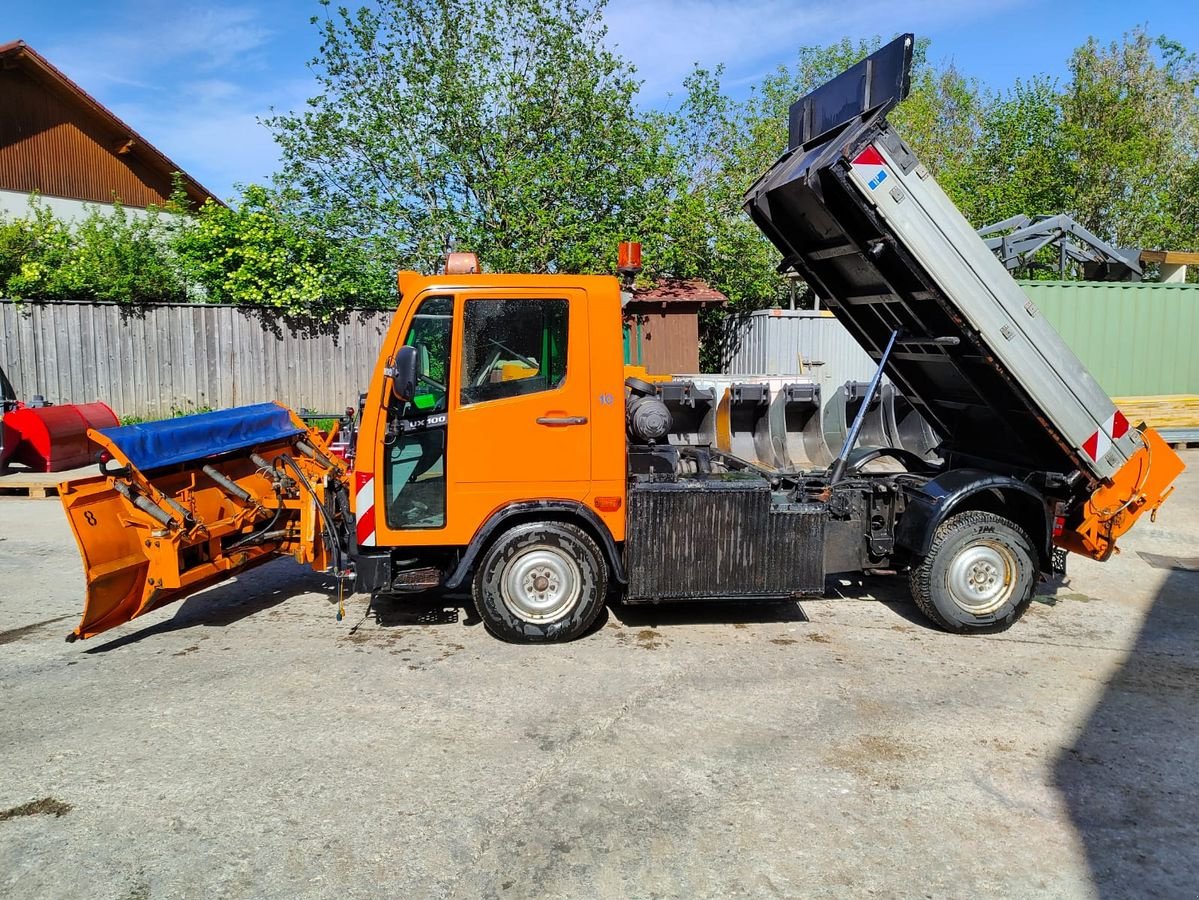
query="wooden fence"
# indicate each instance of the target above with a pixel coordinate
(185, 357)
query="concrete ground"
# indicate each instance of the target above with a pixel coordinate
(246, 744)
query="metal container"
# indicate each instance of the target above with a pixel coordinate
(1137, 338)
(811, 343)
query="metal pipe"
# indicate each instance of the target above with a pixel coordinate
(145, 504)
(837, 472)
(236, 490)
(183, 511)
(312, 453)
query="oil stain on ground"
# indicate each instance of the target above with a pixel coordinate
(646, 639)
(649, 639)
(15, 634)
(47, 806)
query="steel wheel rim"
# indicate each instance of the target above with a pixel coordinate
(541, 585)
(982, 577)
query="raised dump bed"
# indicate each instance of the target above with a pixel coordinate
(865, 223)
(861, 219)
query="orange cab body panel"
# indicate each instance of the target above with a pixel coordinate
(565, 442)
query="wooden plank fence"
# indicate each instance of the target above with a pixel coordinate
(183, 357)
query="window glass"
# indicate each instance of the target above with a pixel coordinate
(512, 347)
(414, 445)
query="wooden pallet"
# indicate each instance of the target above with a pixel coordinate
(39, 485)
(1167, 411)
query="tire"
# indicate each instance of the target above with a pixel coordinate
(541, 582)
(978, 575)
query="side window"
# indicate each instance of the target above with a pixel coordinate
(429, 333)
(512, 347)
(414, 445)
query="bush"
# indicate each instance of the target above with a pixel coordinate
(108, 255)
(256, 254)
(259, 254)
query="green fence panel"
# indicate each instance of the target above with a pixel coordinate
(1136, 339)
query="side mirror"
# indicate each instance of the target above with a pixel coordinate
(403, 372)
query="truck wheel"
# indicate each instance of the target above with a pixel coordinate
(541, 582)
(978, 575)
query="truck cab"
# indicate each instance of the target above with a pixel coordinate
(516, 412)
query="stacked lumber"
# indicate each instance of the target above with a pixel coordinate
(1162, 411)
(1175, 416)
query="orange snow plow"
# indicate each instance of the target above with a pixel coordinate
(183, 504)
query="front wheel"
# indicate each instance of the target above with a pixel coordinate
(978, 575)
(541, 582)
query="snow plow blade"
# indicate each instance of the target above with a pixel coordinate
(185, 503)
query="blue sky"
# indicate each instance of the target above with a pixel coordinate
(194, 78)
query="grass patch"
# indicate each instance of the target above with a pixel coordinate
(176, 412)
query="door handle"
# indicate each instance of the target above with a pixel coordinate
(561, 421)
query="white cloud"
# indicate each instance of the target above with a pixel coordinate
(152, 37)
(193, 79)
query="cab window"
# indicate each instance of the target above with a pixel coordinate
(512, 347)
(414, 445)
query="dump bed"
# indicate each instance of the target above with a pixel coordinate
(856, 213)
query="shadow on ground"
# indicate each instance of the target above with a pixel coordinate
(231, 601)
(1129, 779)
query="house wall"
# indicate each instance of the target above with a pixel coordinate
(15, 204)
(55, 148)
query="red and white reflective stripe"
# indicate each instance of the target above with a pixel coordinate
(364, 507)
(870, 166)
(1101, 441)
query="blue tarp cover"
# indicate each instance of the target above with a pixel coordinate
(152, 445)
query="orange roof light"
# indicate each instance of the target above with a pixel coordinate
(462, 264)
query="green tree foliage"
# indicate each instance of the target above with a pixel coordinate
(941, 120)
(721, 146)
(500, 126)
(258, 254)
(1131, 117)
(110, 255)
(1021, 161)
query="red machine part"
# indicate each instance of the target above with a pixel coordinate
(54, 438)
(8, 441)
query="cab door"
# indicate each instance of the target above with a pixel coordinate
(520, 412)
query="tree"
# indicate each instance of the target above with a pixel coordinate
(1131, 117)
(261, 254)
(499, 126)
(720, 146)
(1023, 162)
(941, 121)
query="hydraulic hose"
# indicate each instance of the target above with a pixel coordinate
(334, 544)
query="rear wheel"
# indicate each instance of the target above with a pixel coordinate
(978, 575)
(541, 582)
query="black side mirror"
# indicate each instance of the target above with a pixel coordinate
(402, 372)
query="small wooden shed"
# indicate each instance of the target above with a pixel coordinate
(661, 324)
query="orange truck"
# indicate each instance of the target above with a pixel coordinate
(502, 448)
